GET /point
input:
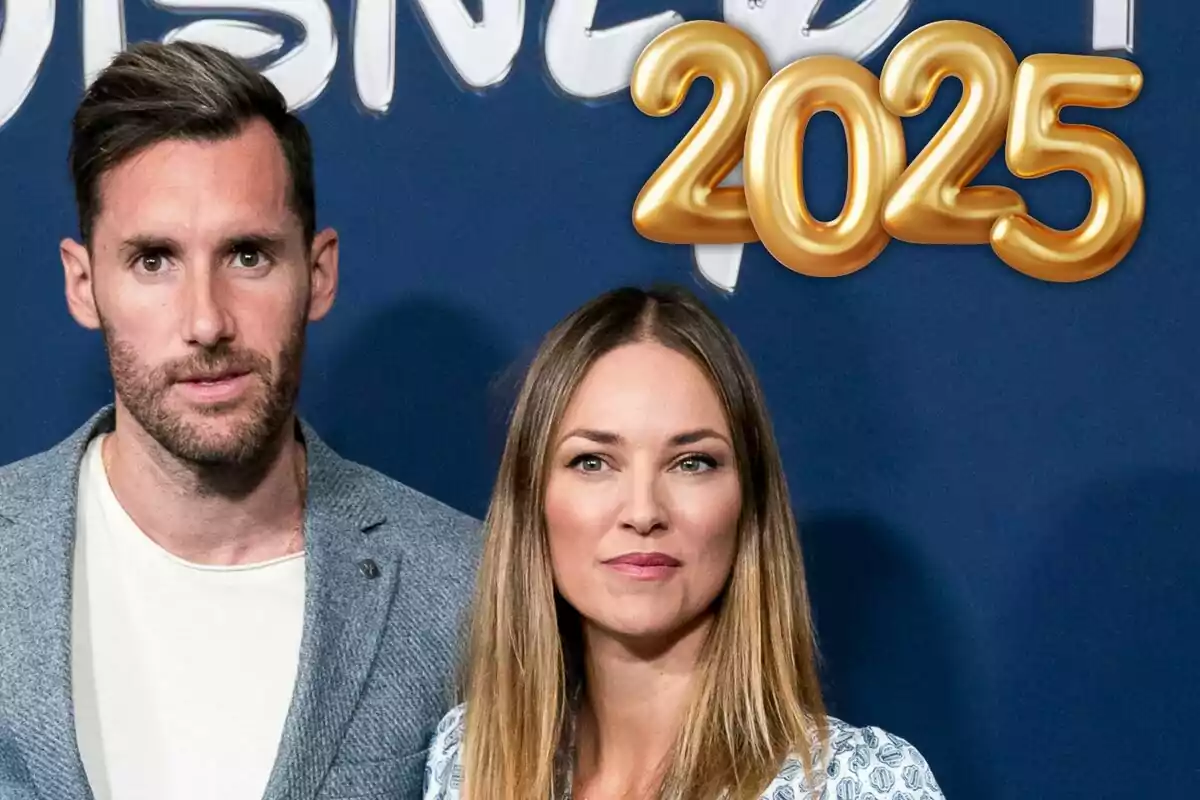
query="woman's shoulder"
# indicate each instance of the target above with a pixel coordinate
(861, 762)
(443, 767)
(449, 730)
(857, 762)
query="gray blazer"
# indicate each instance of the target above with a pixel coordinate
(389, 572)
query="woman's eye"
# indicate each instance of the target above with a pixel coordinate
(588, 463)
(696, 464)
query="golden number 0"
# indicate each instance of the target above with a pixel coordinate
(774, 153)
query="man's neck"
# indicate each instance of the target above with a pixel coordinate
(221, 516)
(635, 705)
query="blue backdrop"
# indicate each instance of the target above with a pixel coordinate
(997, 478)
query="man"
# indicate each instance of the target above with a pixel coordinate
(199, 599)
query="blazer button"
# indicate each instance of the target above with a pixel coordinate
(368, 568)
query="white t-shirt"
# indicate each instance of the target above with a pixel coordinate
(182, 673)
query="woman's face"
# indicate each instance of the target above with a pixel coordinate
(643, 495)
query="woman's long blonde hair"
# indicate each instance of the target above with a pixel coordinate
(757, 695)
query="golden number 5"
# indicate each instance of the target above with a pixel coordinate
(681, 203)
(931, 203)
(1039, 143)
(774, 154)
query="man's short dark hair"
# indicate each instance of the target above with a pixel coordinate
(154, 92)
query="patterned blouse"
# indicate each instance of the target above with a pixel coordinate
(865, 764)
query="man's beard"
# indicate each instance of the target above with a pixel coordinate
(261, 413)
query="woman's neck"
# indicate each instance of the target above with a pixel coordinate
(635, 702)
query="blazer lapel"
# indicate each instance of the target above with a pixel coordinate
(350, 588)
(36, 658)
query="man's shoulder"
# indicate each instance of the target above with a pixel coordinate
(25, 474)
(403, 505)
(443, 540)
(42, 477)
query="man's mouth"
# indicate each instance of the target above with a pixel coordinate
(217, 376)
(214, 387)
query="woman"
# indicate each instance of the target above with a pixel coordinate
(641, 625)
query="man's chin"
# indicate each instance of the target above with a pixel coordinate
(218, 417)
(215, 435)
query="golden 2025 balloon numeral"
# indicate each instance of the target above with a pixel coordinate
(763, 119)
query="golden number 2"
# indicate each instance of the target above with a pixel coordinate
(931, 203)
(681, 203)
(774, 154)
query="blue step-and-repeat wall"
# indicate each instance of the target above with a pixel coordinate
(998, 478)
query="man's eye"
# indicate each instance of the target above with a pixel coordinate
(249, 258)
(151, 262)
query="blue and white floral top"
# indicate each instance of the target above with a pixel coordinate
(864, 764)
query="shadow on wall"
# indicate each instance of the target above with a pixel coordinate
(893, 656)
(895, 652)
(1102, 640)
(81, 385)
(414, 395)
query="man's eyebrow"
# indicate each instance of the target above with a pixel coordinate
(271, 241)
(268, 240)
(142, 243)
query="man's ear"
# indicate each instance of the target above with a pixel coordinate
(77, 274)
(323, 286)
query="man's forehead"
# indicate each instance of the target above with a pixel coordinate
(203, 187)
(193, 225)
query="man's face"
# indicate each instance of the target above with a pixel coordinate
(202, 283)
